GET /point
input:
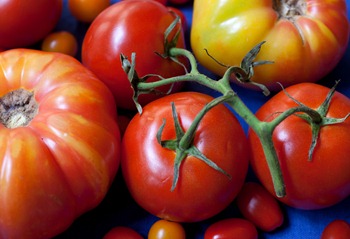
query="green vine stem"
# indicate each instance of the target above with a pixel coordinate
(263, 130)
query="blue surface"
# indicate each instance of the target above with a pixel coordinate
(119, 209)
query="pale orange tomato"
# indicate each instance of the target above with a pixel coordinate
(62, 41)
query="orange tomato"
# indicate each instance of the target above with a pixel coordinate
(87, 10)
(62, 41)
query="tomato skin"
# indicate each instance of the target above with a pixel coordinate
(65, 159)
(317, 38)
(337, 229)
(327, 177)
(148, 168)
(87, 10)
(117, 31)
(121, 232)
(27, 22)
(231, 228)
(163, 229)
(62, 41)
(259, 206)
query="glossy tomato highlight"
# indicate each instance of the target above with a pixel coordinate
(126, 27)
(201, 190)
(305, 39)
(59, 140)
(310, 183)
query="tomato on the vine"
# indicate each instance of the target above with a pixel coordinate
(87, 10)
(259, 206)
(305, 39)
(231, 228)
(122, 232)
(125, 27)
(337, 229)
(201, 190)
(163, 229)
(310, 183)
(23, 23)
(62, 42)
(60, 142)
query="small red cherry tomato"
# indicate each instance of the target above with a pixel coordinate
(259, 206)
(62, 41)
(337, 229)
(87, 10)
(231, 228)
(163, 229)
(121, 232)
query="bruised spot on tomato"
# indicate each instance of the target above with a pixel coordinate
(17, 108)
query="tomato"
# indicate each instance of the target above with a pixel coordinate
(259, 206)
(314, 183)
(163, 229)
(148, 168)
(126, 27)
(62, 41)
(121, 232)
(231, 228)
(59, 139)
(305, 39)
(27, 22)
(87, 10)
(337, 229)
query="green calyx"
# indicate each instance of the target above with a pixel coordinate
(183, 143)
(317, 118)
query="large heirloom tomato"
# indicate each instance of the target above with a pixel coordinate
(23, 23)
(323, 179)
(304, 38)
(125, 27)
(59, 140)
(201, 191)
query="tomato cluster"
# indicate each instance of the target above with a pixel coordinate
(116, 120)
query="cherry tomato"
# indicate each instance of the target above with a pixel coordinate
(23, 23)
(163, 229)
(305, 39)
(259, 206)
(87, 10)
(326, 173)
(231, 228)
(125, 27)
(337, 229)
(121, 232)
(59, 142)
(63, 42)
(201, 191)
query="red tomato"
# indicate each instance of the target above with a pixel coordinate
(231, 228)
(163, 229)
(310, 184)
(122, 233)
(59, 142)
(126, 27)
(23, 23)
(337, 229)
(201, 191)
(63, 42)
(304, 38)
(259, 206)
(87, 10)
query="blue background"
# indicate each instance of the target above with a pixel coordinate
(119, 209)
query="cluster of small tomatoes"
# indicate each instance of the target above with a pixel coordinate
(204, 187)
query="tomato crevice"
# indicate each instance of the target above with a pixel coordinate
(18, 108)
